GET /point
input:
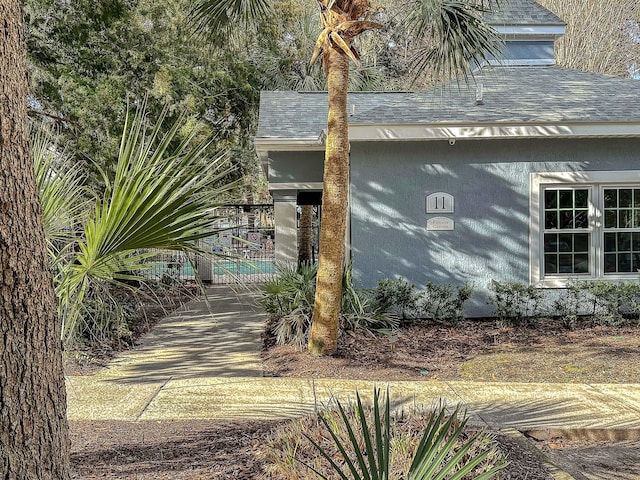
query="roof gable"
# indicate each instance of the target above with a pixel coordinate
(522, 12)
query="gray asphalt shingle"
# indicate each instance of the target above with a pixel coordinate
(522, 12)
(511, 95)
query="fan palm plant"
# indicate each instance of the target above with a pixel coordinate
(162, 197)
(457, 39)
(64, 197)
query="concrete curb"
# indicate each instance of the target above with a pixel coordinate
(592, 434)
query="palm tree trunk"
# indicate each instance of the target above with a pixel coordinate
(34, 440)
(328, 300)
(306, 231)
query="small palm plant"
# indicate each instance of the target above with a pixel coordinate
(162, 196)
(65, 199)
(288, 298)
(374, 444)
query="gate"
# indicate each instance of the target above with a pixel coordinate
(243, 250)
(245, 246)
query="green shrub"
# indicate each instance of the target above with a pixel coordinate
(602, 302)
(107, 316)
(571, 303)
(443, 303)
(515, 303)
(632, 305)
(611, 301)
(397, 296)
(361, 310)
(289, 299)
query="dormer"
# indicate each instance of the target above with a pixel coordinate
(528, 30)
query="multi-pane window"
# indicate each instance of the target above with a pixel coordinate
(584, 225)
(621, 230)
(567, 238)
(590, 230)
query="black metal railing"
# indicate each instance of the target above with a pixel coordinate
(242, 251)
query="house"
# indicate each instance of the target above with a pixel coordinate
(532, 174)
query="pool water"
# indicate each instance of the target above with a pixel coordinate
(222, 267)
(242, 268)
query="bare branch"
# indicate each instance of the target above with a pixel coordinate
(53, 117)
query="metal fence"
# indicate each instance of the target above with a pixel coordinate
(243, 250)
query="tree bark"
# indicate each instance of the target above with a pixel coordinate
(328, 300)
(34, 441)
(306, 231)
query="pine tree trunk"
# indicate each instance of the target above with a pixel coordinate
(306, 231)
(34, 441)
(328, 301)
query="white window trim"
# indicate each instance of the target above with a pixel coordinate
(592, 179)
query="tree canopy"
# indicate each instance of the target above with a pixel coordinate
(90, 61)
(601, 37)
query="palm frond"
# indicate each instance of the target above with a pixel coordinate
(219, 16)
(372, 455)
(366, 79)
(65, 199)
(444, 450)
(162, 197)
(442, 454)
(340, 43)
(456, 37)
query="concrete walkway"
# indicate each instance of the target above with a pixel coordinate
(199, 364)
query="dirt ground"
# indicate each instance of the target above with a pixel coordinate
(178, 450)
(480, 351)
(588, 459)
(470, 350)
(211, 450)
(473, 350)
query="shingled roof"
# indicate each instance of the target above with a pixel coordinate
(522, 12)
(519, 95)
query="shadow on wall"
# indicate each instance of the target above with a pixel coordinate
(490, 239)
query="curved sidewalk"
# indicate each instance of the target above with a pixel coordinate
(201, 364)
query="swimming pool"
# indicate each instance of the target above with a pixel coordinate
(219, 267)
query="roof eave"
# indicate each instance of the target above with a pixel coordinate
(279, 144)
(490, 131)
(528, 32)
(479, 131)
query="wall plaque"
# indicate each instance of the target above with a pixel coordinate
(440, 202)
(439, 224)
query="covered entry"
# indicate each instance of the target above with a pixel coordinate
(297, 222)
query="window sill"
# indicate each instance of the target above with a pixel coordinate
(563, 282)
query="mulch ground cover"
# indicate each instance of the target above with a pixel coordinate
(211, 450)
(471, 350)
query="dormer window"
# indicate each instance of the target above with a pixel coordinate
(529, 31)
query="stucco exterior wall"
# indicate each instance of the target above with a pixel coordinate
(489, 181)
(291, 167)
